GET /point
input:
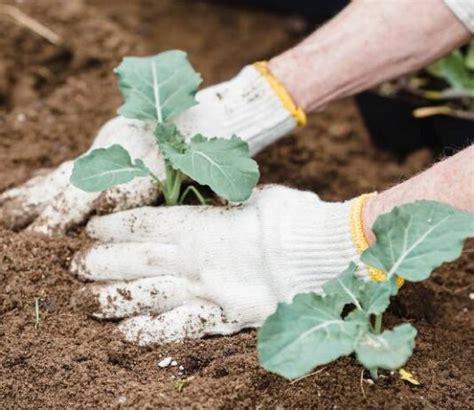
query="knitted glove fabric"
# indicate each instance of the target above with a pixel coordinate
(190, 271)
(252, 106)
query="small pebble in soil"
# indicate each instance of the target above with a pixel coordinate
(471, 296)
(340, 129)
(165, 362)
(121, 400)
(174, 363)
(370, 382)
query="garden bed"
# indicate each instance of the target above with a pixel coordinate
(52, 101)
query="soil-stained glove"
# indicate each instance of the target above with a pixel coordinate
(189, 271)
(253, 106)
(52, 204)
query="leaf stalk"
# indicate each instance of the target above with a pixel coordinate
(196, 193)
(378, 324)
(172, 188)
(377, 328)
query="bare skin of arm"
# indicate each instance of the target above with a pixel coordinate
(369, 42)
(450, 181)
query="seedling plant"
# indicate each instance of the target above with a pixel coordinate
(457, 72)
(155, 90)
(316, 329)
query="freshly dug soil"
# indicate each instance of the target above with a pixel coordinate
(52, 101)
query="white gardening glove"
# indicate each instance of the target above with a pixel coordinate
(190, 271)
(52, 204)
(252, 105)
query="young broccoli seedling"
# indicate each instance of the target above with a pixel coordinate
(156, 89)
(316, 329)
(457, 70)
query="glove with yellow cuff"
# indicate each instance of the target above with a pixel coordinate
(190, 271)
(253, 106)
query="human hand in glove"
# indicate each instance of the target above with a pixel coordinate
(252, 105)
(185, 272)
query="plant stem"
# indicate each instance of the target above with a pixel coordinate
(196, 193)
(37, 313)
(442, 110)
(377, 330)
(158, 182)
(374, 374)
(172, 188)
(378, 324)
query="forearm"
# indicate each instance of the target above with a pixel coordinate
(367, 43)
(450, 181)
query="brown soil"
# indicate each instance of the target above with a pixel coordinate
(53, 99)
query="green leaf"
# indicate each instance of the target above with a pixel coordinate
(104, 168)
(304, 334)
(389, 350)
(223, 164)
(469, 60)
(170, 138)
(453, 70)
(416, 238)
(375, 296)
(157, 88)
(346, 286)
(359, 316)
(372, 297)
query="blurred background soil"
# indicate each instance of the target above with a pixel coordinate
(52, 101)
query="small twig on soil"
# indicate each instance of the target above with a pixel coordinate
(362, 384)
(37, 313)
(183, 383)
(30, 23)
(460, 290)
(308, 375)
(442, 110)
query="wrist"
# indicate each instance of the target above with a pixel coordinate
(284, 69)
(368, 216)
(286, 99)
(256, 107)
(252, 105)
(362, 236)
(309, 77)
(363, 213)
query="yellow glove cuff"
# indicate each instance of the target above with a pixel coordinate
(360, 240)
(296, 112)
